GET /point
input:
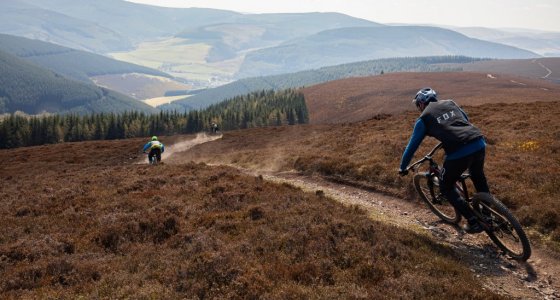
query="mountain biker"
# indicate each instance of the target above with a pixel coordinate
(156, 149)
(214, 127)
(464, 147)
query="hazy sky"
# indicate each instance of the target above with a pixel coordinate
(532, 14)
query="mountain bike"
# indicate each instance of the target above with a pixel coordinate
(154, 161)
(500, 224)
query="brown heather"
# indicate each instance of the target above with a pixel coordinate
(82, 220)
(522, 164)
(357, 99)
(373, 122)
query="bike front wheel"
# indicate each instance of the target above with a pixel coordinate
(505, 230)
(427, 186)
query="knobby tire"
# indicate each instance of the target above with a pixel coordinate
(506, 232)
(428, 189)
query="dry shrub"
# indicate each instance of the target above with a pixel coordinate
(204, 232)
(522, 164)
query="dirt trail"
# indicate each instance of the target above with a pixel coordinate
(549, 71)
(535, 279)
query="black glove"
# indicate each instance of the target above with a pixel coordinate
(403, 172)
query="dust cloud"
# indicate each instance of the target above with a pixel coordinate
(200, 138)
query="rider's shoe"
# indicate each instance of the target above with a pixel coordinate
(473, 226)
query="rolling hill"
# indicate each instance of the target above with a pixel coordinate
(207, 97)
(23, 18)
(210, 55)
(31, 89)
(337, 46)
(547, 68)
(256, 31)
(98, 26)
(133, 80)
(139, 86)
(541, 42)
(354, 99)
(73, 64)
(208, 47)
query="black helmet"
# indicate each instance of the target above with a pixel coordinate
(424, 96)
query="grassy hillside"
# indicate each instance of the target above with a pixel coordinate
(547, 68)
(312, 77)
(139, 86)
(344, 45)
(31, 89)
(522, 165)
(354, 99)
(180, 58)
(74, 64)
(78, 223)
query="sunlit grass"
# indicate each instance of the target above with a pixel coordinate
(163, 100)
(178, 57)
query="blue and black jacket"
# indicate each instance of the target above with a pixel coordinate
(154, 144)
(448, 123)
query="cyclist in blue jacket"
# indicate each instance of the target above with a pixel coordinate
(463, 143)
(156, 149)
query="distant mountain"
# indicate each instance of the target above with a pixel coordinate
(541, 42)
(17, 17)
(29, 88)
(210, 55)
(345, 45)
(204, 47)
(102, 25)
(255, 31)
(74, 64)
(207, 97)
(210, 47)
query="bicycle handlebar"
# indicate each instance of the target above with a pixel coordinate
(426, 157)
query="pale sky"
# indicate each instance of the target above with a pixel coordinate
(530, 14)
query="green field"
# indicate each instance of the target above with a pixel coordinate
(163, 100)
(178, 57)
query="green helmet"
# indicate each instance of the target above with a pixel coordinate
(154, 138)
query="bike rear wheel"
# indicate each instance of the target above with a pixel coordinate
(427, 187)
(505, 230)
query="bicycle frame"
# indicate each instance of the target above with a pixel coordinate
(434, 169)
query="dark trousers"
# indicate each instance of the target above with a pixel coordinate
(155, 153)
(451, 172)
